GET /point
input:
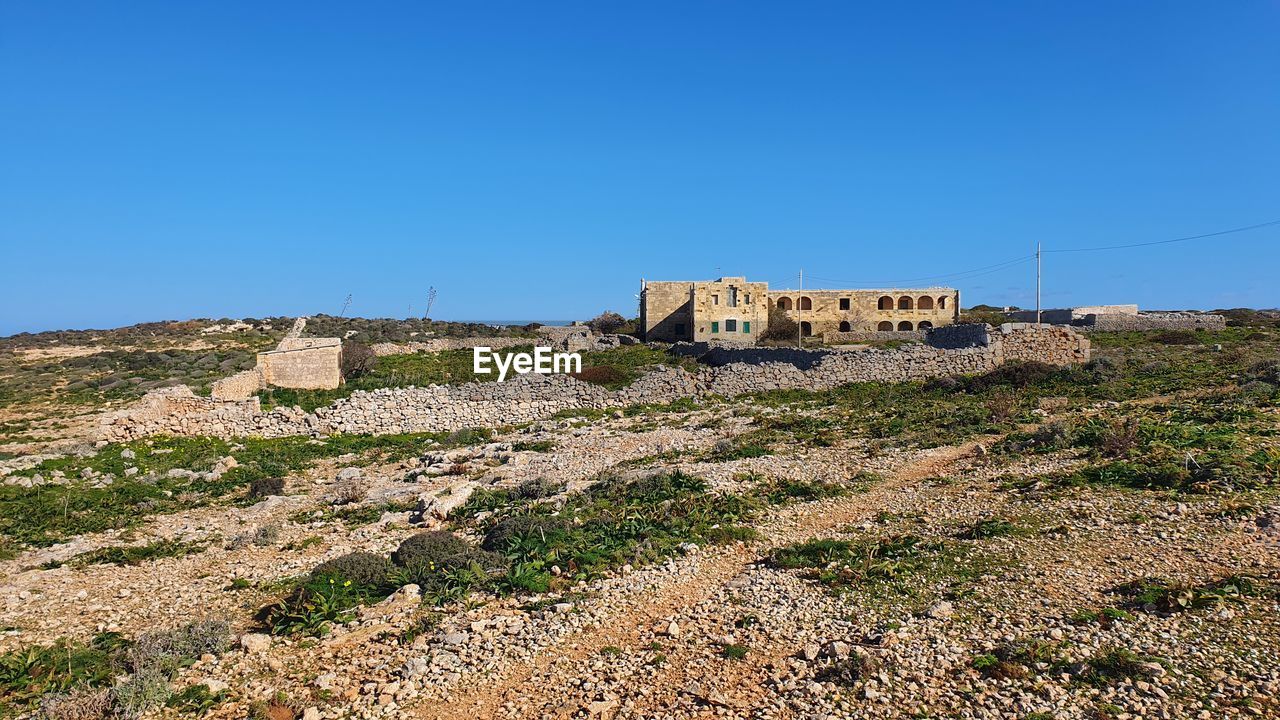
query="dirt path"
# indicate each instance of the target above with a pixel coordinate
(534, 686)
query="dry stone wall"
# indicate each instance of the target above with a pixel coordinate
(1153, 321)
(851, 338)
(530, 397)
(464, 343)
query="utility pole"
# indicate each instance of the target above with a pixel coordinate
(1037, 282)
(799, 316)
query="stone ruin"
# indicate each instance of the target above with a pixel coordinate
(297, 362)
(1121, 318)
(953, 350)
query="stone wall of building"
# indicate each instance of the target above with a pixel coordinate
(730, 309)
(303, 363)
(666, 311)
(1152, 321)
(530, 397)
(900, 309)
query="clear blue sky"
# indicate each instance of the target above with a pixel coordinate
(163, 160)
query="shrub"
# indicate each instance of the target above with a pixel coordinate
(166, 651)
(537, 489)
(601, 375)
(79, 704)
(521, 530)
(143, 691)
(266, 486)
(606, 322)
(1267, 371)
(196, 700)
(312, 608)
(1054, 435)
(1104, 368)
(1015, 375)
(357, 360)
(365, 569)
(1119, 437)
(1001, 405)
(441, 549)
(781, 327)
(350, 491)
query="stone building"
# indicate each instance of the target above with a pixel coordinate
(732, 309)
(726, 309)
(297, 362)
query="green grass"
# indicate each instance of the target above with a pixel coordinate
(28, 673)
(613, 523)
(991, 528)
(589, 533)
(1167, 598)
(1217, 441)
(903, 564)
(780, 491)
(50, 513)
(733, 652)
(354, 515)
(616, 368)
(136, 554)
(154, 659)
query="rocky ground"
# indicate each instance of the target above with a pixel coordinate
(1013, 608)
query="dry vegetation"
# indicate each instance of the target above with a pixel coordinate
(1092, 542)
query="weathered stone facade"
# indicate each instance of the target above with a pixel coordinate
(530, 397)
(820, 312)
(303, 363)
(729, 309)
(732, 309)
(297, 362)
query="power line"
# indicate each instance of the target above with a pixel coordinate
(1174, 240)
(962, 273)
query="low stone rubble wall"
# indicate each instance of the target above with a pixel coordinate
(464, 343)
(570, 339)
(526, 398)
(1152, 321)
(241, 386)
(861, 336)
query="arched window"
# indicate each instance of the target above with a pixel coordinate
(904, 326)
(924, 325)
(844, 326)
(784, 303)
(904, 302)
(924, 303)
(886, 303)
(806, 329)
(885, 326)
(942, 303)
(806, 303)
